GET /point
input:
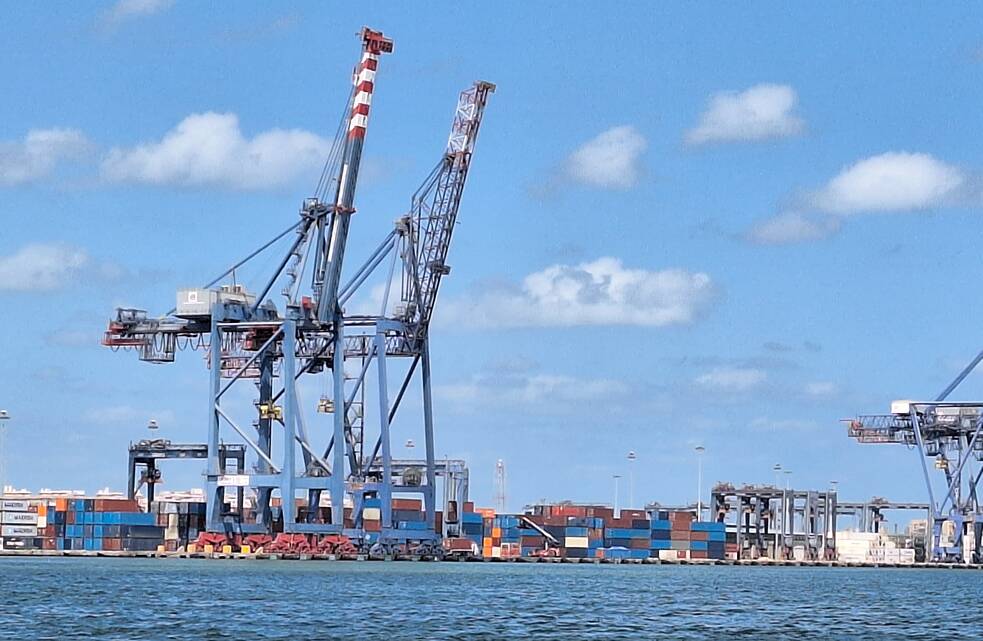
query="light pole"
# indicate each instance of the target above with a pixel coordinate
(832, 486)
(631, 478)
(778, 470)
(4, 417)
(153, 426)
(788, 479)
(699, 481)
(617, 477)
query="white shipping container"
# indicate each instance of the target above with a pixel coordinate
(19, 518)
(18, 530)
(372, 514)
(12, 505)
(575, 542)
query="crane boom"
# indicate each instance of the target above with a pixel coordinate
(435, 205)
(374, 44)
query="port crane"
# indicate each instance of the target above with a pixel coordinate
(947, 434)
(310, 336)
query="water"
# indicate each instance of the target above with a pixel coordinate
(61, 598)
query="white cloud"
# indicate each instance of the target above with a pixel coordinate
(38, 154)
(41, 267)
(732, 379)
(762, 112)
(601, 292)
(537, 390)
(793, 227)
(893, 181)
(611, 160)
(125, 10)
(821, 389)
(209, 149)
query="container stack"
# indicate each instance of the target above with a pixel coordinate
(407, 514)
(105, 524)
(182, 522)
(23, 524)
(677, 535)
(628, 537)
(472, 525)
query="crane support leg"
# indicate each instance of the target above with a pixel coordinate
(288, 475)
(386, 485)
(430, 496)
(213, 492)
(264, 439)
(338, 465)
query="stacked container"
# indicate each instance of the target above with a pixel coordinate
(628, 536)
(105, 524)
(22, 524)
(182, 522)
(676, 535)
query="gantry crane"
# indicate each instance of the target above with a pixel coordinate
(948, 433)
(311, 337)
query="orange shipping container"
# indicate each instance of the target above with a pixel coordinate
(496, 532)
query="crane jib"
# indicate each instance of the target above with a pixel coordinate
(374, 44)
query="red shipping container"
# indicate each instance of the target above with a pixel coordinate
(532, 541)
(116, 505)
(70, 518)
(469, 506)
(407, 504)
(570, 510)
(601, 512)
(372, 526)
(697, 536)
(48, 544)
(555, 520)
(113, 545)
(680, 535)
(699, 554)
(639, 544)
(633, 514)
(49, 532)
(458, 544)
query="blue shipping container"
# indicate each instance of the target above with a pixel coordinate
(707, 526)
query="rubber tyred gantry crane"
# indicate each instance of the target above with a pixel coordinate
(311, 337)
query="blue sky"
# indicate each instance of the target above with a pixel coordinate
(683, 226)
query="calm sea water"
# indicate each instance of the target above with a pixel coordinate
(242, 600)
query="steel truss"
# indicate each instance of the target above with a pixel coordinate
(251, 339)
(948, 434)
